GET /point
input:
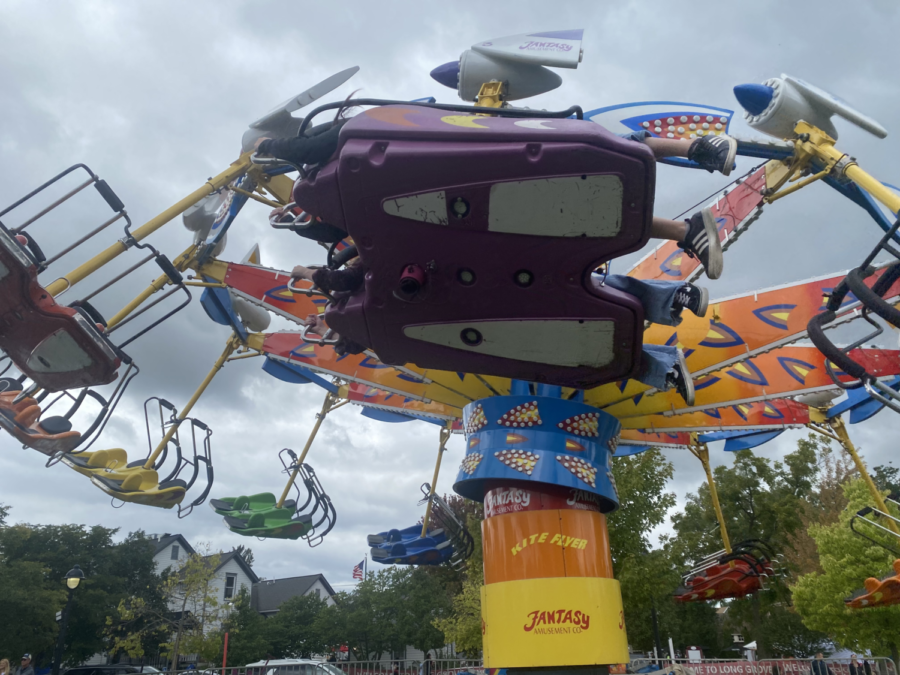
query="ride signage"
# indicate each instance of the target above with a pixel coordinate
(499, 501)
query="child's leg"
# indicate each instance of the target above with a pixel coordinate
(663, 228)
(662, 300)
(668, 147)
(713, 153)
(663, 368)
(699, 237)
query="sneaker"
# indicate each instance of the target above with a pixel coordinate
(691, 297)
(680, 378)
(714, 153)
(702, 242)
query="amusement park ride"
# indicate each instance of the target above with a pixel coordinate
(478, 233)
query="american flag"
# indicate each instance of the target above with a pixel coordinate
(358, 569)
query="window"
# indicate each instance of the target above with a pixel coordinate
(174, 555)
(319, 593)
(230, 582)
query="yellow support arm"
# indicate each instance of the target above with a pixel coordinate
(812, 142)
(232, 344)
(701, 452)
(237, 169)
(181, 263)
(331, 403)
(445, 436)
(841, 436)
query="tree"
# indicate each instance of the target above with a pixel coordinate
(462, 625)
(887, 478)
(643, 503)
(245, 552)
(646, 577)
(248, 639)
(291, 632)
(762, 500)
(28, 621)
(822, 507)
(113, 571)
(847, 560)
(427, 602)
(189, 610)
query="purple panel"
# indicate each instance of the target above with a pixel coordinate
(573, 34)
(320, 196)
(398, 150)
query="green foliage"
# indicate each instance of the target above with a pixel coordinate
(29, 602)
(887, 478)
(763, 500)
(643, 576)
(291, 631)
(248, 640)
(462, 625)
(760, 499)
(34, 559)
(847, 560)
(189, 607)
(388, 610)
(245, 552)
(643, 503)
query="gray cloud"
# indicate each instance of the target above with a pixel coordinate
(154, 97)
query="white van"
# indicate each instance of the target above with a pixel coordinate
(292, 667)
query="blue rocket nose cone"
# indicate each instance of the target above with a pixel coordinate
(754, 98)
(447, 74)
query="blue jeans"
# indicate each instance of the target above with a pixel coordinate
(656, 298)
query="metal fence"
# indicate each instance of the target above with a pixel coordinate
(871, 666)
(457, 666)
(876, 666)
(408, 667)
(454, 666)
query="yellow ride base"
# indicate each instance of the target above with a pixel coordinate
(567, 621)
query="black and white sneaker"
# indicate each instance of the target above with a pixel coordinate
(680, 378)
(714, 153)
(691, 297)
(702, 242)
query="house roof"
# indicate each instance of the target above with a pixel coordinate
(236, 556)
(166, 540)
(268, 596)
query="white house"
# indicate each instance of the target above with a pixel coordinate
(169, 550)
(232, 571)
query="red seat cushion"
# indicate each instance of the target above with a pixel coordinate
(54, 345)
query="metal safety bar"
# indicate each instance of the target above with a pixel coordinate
(860, 517)
(873, 302)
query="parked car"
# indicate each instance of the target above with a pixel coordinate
(115, 669)
(292, 667)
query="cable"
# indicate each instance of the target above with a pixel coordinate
(734, 182)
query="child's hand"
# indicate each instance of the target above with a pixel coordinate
(301, 272)
(317, 323)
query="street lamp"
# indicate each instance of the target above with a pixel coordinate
(73, 578)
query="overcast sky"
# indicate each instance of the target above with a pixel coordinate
(154, 97)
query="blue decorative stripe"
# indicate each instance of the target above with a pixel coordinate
(574, 455)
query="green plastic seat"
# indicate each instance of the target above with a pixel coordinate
(236, 506)
(274, 524)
